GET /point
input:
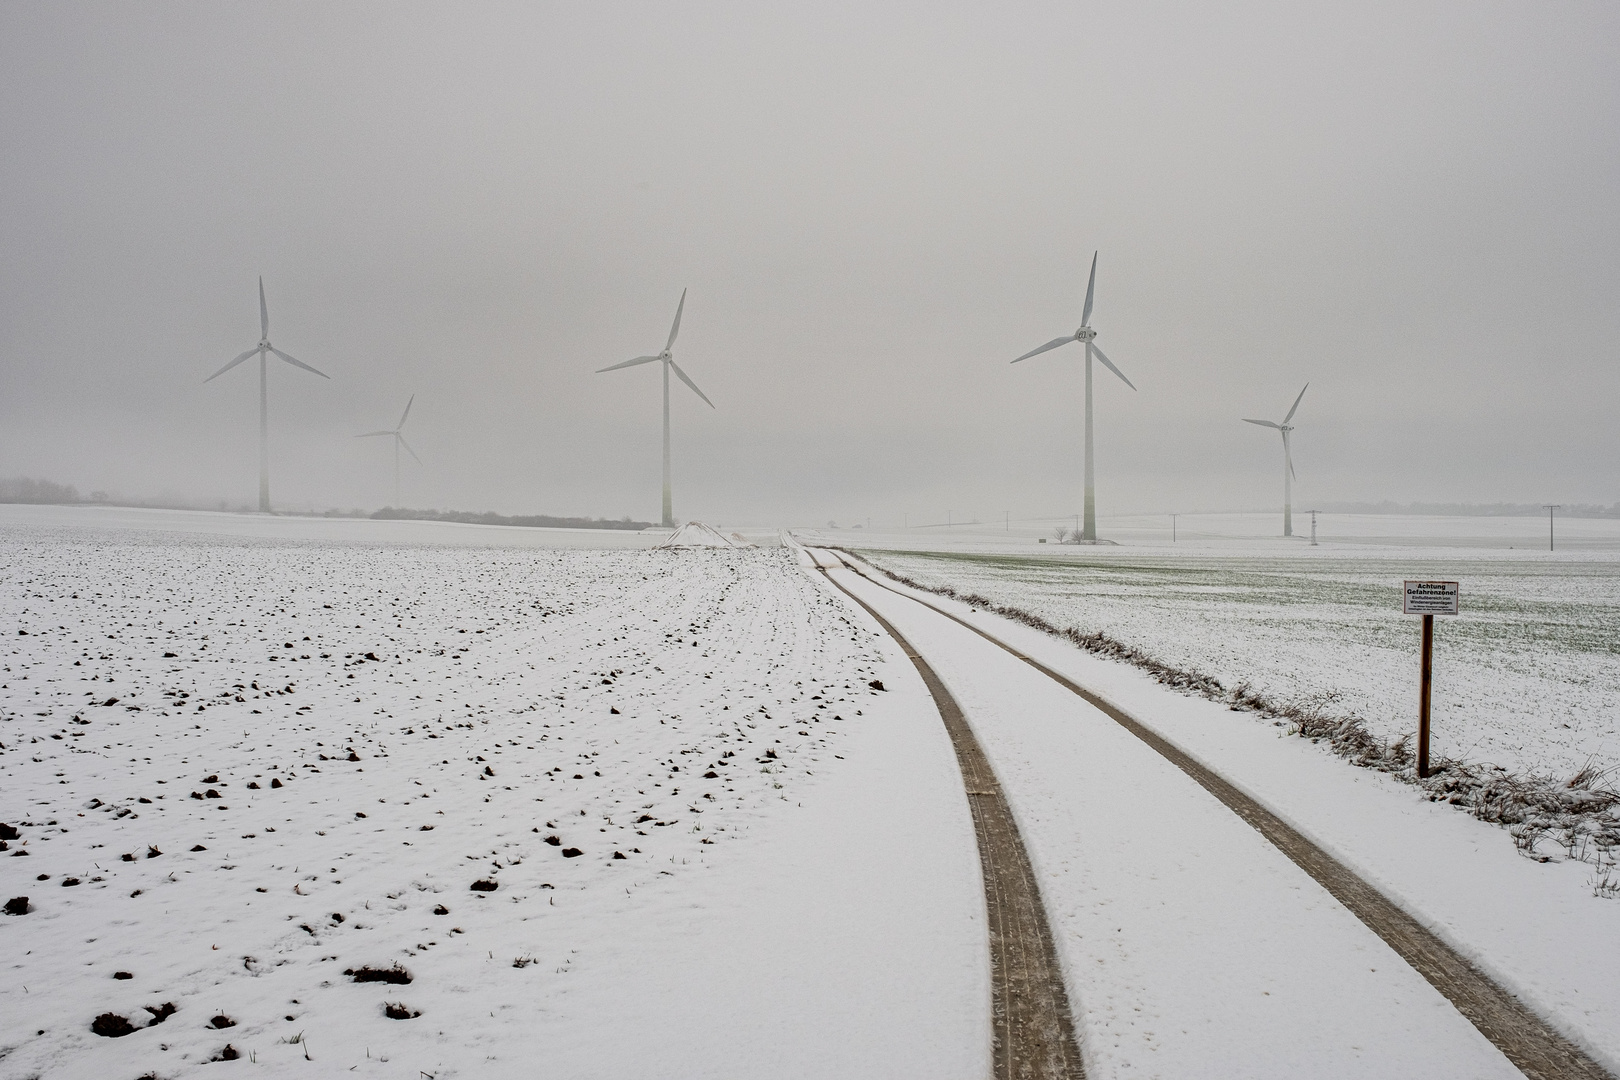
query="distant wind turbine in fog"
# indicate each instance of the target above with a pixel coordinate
(1087, 335)
(399, 441)
(669, 364)
(261, 350)
(1288, 461)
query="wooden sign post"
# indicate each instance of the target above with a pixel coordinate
(1427, 598)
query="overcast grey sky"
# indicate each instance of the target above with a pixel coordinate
(1414, 207)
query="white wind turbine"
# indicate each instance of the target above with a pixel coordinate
(399, 441)
(669, 364)
(1288, 461)
(1087, 335)
(261, 350)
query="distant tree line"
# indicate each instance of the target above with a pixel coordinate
(1589, 510)
(489, 517)
(22, 489)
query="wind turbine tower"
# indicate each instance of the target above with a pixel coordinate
(1088, 533)
(399, 441)
(262, 350)
(667, 359)
(1288, 461)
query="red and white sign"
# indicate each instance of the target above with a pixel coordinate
(1430, 598)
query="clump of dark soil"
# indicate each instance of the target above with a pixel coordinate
(123, 975)
(222, 1021)
(396, 975)
(17, 905)
(9, 832)
(160, 1013)
(440, 909)
(572, 853)
(111, 1026)
(396, 1011)
(484, 885)
(230, 1053)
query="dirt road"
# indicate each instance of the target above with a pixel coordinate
(1517, 1034)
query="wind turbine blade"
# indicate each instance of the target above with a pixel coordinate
(1263, 423)
(677, 369)
(298, 363)
(264, 313)
(374, 434)
(1091, 287)
(675, 329)
(407, 447)
(1054, 343)
(1297, 400)
(628, 363)
(251, 352)
(406, 413)
(1109, 364)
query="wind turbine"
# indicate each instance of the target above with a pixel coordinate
(261, 350)
(1288, 461)
(399, 441)
(669, 364)
(1087, 335)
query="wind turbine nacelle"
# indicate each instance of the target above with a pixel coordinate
(1085, 333)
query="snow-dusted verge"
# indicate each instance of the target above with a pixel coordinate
(244, 771)
(1533, 671)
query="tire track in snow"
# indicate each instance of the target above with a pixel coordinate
(1533, 1046)
(1031, 1024)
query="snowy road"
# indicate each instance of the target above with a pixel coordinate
(1192, 945)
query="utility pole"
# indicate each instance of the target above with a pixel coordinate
(1006, 516)
(1550, 507)
(1313, 514)
(1172, 528)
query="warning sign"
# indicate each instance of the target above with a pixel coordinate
(1430, 598)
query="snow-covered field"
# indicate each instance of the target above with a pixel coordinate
(1527, 677)
(242, 768)
(247, 757)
